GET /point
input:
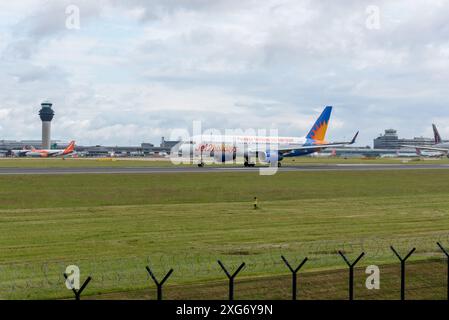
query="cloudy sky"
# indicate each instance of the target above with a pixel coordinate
(135, 70)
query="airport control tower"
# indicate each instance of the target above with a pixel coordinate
(46, 113)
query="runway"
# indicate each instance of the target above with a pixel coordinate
(214, 169)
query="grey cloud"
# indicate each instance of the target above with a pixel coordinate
(50, 19)
(36, 73)
(159, 9)
(275, 62)
(47, 22)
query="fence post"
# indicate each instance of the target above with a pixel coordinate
(447, 268)
(402, 269)
(294, 272)
(231, 278)
(80, 290)
(351, 272)
(159, 284)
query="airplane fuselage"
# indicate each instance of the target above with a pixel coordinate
(44, 153)
(225, 148)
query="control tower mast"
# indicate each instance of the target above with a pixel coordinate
(46, 114)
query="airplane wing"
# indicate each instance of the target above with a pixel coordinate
(20, 153)
(427, 148)
(319, 146)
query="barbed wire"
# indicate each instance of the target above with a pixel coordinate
(44, 279)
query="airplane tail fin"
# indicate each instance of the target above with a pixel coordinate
(318, 131)
(70, 148)
(436, 134)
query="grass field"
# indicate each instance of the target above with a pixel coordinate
(82, 162)
(164, 162)
(112, 226)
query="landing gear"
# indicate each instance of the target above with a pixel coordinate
(201, 163)
(279, 164)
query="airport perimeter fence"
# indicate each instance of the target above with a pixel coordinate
(261, 272)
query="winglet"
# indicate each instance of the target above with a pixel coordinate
(355, 138)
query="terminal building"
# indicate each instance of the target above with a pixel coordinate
(7, 145)
(390, 140)
(145, 148)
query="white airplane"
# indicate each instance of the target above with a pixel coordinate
(440, 148)
(429, 154)
(267, 149)
(45, 153)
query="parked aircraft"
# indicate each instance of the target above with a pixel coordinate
(439, 146)
(45, 153)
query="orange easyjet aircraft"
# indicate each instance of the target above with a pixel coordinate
(45, 153)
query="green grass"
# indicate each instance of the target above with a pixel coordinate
(164, 162)
(80, 163)
(114, 225)
(25, 191)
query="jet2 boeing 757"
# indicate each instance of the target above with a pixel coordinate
(267, 149)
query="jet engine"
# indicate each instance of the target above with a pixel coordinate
(269, 157)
